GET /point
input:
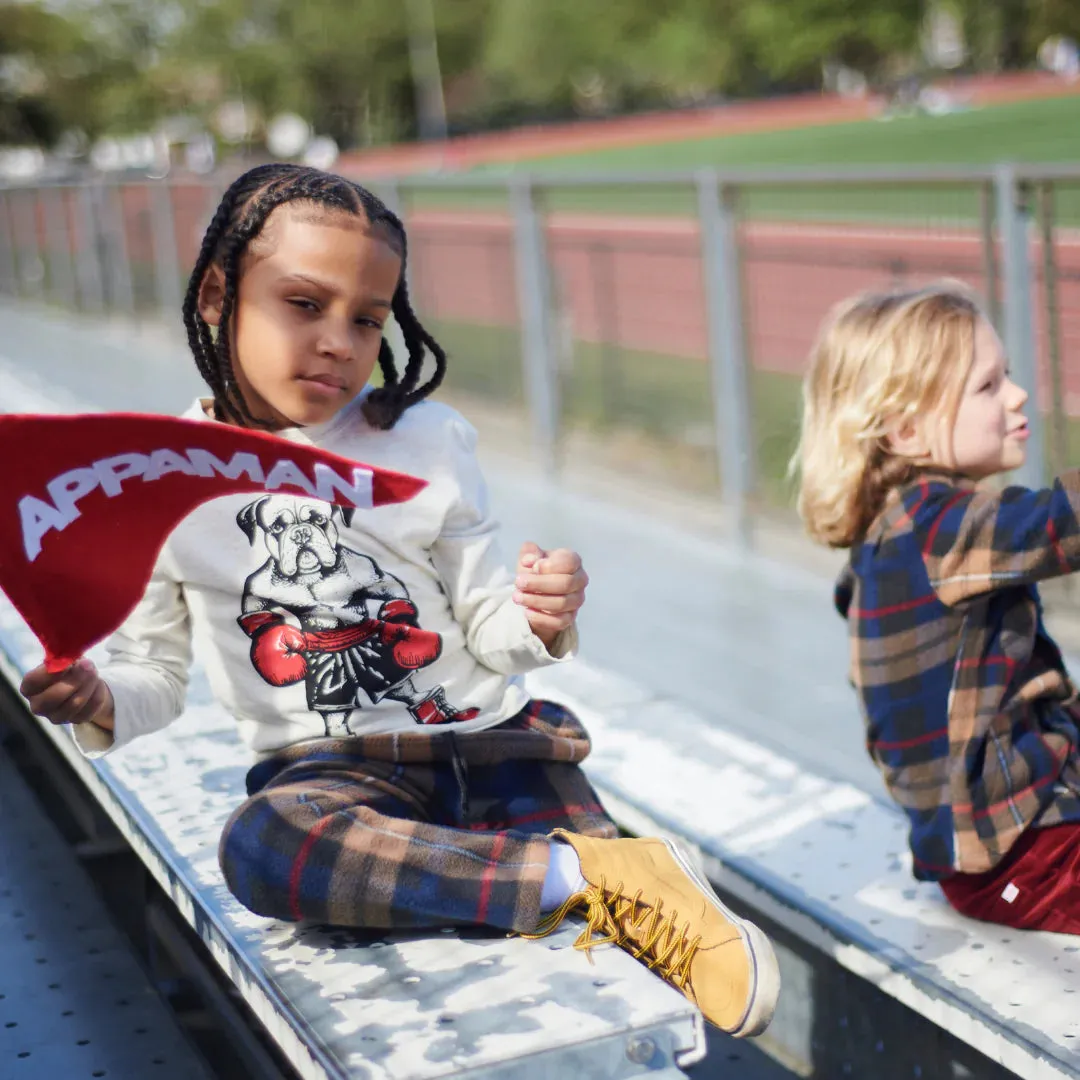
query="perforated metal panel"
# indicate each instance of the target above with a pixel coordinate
(74, 1002)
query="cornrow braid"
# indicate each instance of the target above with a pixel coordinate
(239, 218)
(200, 338)
(384, 405)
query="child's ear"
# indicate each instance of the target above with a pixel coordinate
(906, 440)
(212, 295)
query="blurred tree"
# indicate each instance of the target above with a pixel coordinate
(1049, 17)
(124, 65)
(91, 69)
(585, 55)
(352, 62)
(34, 43)
(793, 38)
(341, 64)
(126, 84)
(995, 31)
(1007, 34)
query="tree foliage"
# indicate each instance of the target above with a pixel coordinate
(793, 39)
(123, 66)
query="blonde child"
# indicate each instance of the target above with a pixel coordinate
(970, 713)
(403, 777)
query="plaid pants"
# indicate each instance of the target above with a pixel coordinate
(411, 830)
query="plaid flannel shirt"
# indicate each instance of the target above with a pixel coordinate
(970, 713)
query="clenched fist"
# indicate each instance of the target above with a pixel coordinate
(551, 588)
(78, 695)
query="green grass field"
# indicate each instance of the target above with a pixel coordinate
(653, 408)
(1031, 131)
(1035, 131)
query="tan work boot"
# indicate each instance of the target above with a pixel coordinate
(648, 897)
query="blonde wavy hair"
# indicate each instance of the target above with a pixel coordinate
(881, 360)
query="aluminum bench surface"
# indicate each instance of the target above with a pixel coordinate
(352, 1004)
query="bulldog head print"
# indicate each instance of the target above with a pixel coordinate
(300, 533)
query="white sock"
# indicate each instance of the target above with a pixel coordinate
(563, 877)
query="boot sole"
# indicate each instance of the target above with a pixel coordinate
(764, 971)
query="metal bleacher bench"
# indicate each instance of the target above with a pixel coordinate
(824, 859)
(350, 1004)
(828, 862)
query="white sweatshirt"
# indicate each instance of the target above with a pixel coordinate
(311, 624)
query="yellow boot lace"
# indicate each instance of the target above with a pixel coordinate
(642, 929)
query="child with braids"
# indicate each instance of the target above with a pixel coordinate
(971, 715)
(373, 662)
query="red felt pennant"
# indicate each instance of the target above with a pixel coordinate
(88, 501)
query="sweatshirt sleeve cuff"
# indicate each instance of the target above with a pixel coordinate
(562, 649)
(136, 711)
(92, 741)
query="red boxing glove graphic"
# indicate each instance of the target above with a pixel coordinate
(399, 611)
(277, 649)
(412, 647)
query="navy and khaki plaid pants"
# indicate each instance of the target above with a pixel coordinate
(412, 830)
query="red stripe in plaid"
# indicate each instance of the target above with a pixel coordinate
(971, 662)
(990, 809)
(904, 744)
(1057, 749)
(932, 532)
(894, 609)
(489, 877)
(1055, 543)
(932, 870)
(298, 864)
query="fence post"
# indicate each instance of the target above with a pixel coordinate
(601, 260)
(88, 268)
(123, 289)
(732, 413)
(9, 277)
(61, 269)
(534, 301)
(30, 261)
(989, 252)
(166, 259)
(1013, 218)
(1059, 422)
